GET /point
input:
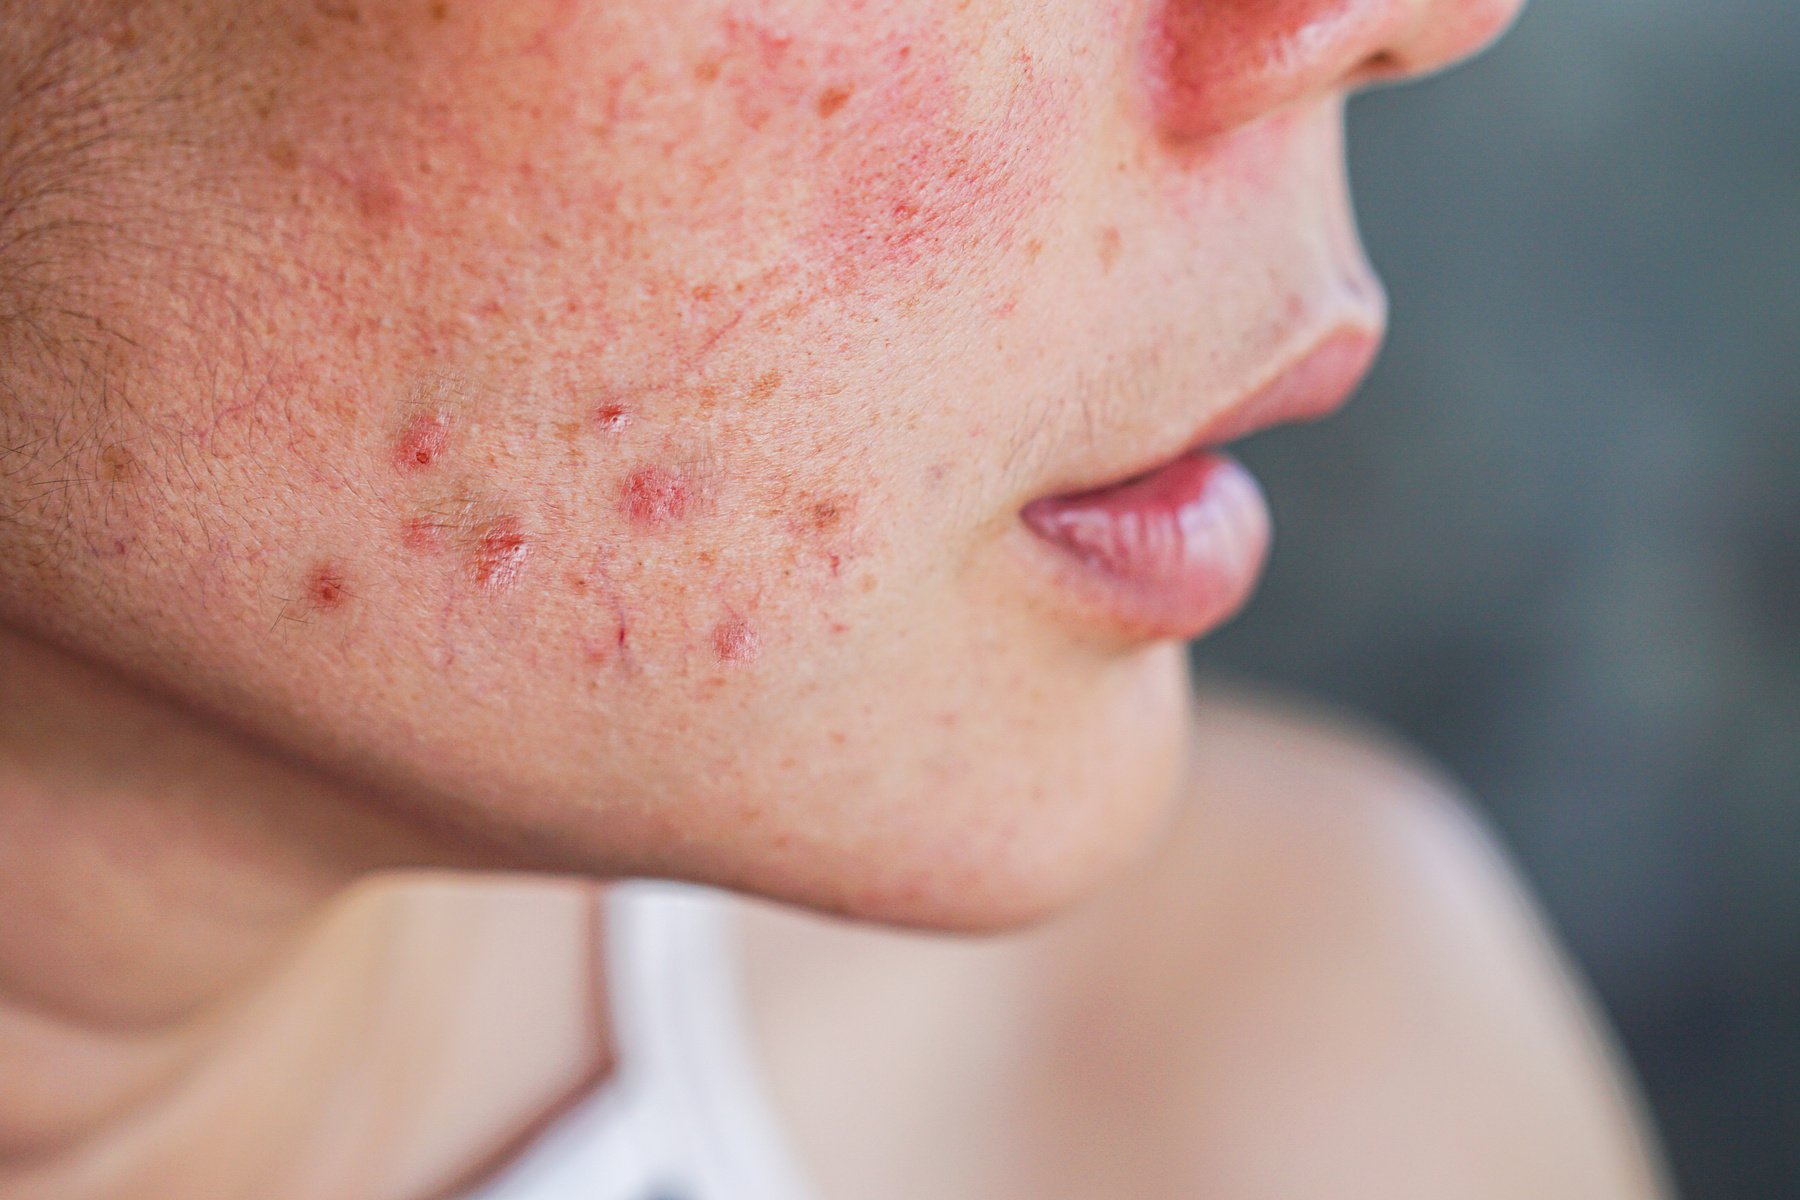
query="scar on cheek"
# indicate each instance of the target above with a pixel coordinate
(423, 441)
(325, 588)
(499, 554)
(735, 641)
(658, 495)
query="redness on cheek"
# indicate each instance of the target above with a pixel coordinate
(926, 170)
(423, 441)
(499, 554)
(325, 588)
(657, 495)
(735, 640)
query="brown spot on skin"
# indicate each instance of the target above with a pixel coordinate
(500, 554)
(1033, 248)
(832, 99)
(438, 11)
(338, 10)
(423, 441)
(612, 417)
(283, 154)
(765, 385)
(735, 641)
(825, 516)
(657, 495)
(707, 71)
(325, 588)
(1110, 245)
(118, 465)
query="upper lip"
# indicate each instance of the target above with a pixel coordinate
(1316, 383)
(1313, 383)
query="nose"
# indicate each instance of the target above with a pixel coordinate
(1212, 65)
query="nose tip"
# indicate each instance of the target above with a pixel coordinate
(1213, 65)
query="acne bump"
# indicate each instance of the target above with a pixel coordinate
(499, 554)
(735, 641)
(657, 495)
(423, 441)
(325, 590)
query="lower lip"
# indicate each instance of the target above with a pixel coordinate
(1171, 554)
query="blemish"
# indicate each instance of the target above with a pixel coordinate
(423, 441)
(339, 10)
(325, 589)
(438, 11)
(612, 417)
(657, 495)
(832, 99)
(500, 554)
(735, 641)
(764, 385)
(117, 464)
(825, 516)
(283, 154)
(1110, 245)
(424, 533)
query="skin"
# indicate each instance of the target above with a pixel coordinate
(588, 440)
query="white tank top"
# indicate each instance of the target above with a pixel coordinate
(681, 1117)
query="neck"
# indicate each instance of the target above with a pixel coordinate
(200, 935)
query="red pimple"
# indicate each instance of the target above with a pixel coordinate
(500, 554)
(423, 441)
(735, 641)
(325, 588)
(612, 417)
(657, 495)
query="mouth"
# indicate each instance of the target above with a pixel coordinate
(1175, 549)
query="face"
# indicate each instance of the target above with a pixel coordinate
(661, 438)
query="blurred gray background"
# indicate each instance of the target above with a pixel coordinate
(1556, 540)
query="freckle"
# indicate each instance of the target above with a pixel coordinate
(735, 641)
(423, 441)
(500, 554)
(612, 417)
(1110, 244)
(438, 11)
(339, 10)
(118, 464)
(378, 200)
(765, 385)
(283, 154)
(832, 99)
(578, 582)
(825, 515)
(656, 495)
(707, 71)
(1033, 248)
(325, 588)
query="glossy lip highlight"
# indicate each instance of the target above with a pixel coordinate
(1175, 549)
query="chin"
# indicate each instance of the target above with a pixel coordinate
(1039, 831)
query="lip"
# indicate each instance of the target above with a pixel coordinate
(1175, 548)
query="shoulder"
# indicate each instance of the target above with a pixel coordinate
(1330, 951)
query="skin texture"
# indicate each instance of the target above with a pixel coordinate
(589, 439)
(554, 415)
